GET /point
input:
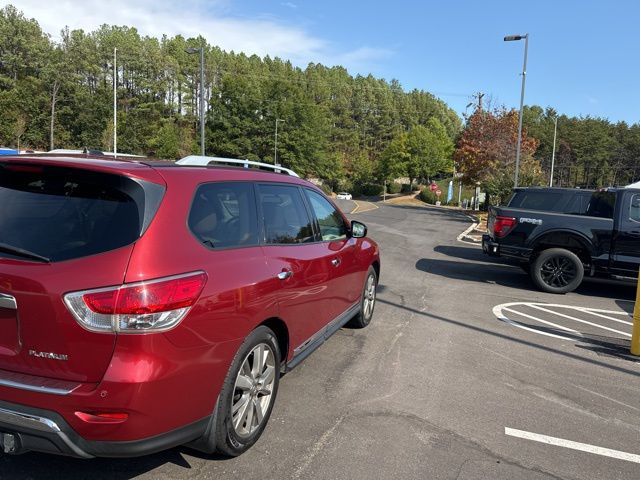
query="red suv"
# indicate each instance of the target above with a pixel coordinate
(145, 305)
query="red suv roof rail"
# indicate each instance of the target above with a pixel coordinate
(202, 161)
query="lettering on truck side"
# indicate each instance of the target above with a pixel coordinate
(534, 221)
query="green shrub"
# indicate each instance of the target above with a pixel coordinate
(405, 188)
(370, 189)
(345, 186)
(394, 187)
(428, 196)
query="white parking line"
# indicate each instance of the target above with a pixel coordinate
(610, 312)
(569, 317)
(566, 329)
(586, 310)
(509, 312)
(460, 237)
(583, 447)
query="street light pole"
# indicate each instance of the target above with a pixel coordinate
(512, 38)
(201, 51)
(275, 146)
(553, 151)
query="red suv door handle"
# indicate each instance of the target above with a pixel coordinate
(335, 262)
(7, 301)
(283, 275)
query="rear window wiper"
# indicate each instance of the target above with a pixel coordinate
(23, 253)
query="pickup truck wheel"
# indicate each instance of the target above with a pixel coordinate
(557, 270)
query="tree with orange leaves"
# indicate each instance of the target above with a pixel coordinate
(486, 153)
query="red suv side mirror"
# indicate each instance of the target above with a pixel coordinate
(358, 230)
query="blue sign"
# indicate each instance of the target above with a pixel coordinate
(450, 191)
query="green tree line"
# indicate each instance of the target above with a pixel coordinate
(347, 130)
(59, 94)
(590, 152)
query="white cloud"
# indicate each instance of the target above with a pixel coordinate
(190, 18)
(363, 56)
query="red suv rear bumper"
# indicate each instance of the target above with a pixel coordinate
(168, 399)
(26, 429)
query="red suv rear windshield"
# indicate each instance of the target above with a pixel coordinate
(51, 213)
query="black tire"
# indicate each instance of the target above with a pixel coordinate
(363, 318)
(557, 270)
(223, 436)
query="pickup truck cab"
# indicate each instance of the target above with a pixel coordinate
(551, 199)
(559, 249)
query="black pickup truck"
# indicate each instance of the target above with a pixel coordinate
(559, 249)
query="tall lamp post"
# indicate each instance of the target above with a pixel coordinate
(553, 151)
(200, 50)
(513, 38)
(275, 146)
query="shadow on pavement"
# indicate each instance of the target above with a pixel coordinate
(627, 305)
(37, 465)
(468, 253)
(452, 214)
(474, 266)
(602, 345)
(432, 317)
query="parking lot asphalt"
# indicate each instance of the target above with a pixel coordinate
(438, 386)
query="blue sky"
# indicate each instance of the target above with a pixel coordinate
(584, 56)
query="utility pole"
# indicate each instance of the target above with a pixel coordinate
(275, 146)
(202, 100)
(115, 104)
(479, 95)
(200, 50)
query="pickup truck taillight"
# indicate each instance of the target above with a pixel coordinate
(502, 226)
(142, 307)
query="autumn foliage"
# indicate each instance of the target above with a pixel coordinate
(486, 150)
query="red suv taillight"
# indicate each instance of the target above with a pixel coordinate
(502, 226)
(148, 306)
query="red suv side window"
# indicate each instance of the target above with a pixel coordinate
(332, 226)
(223, 215)
(286, 219)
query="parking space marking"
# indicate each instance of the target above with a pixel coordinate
(463, 235)
(586, 322)
(510, 313)
(359, 208)
(592, 312)
(583, 447)
(567, 329)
